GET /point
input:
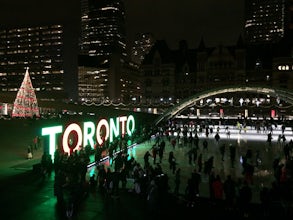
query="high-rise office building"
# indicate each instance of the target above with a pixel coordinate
(41, 49)
(102, 28)
(103, 68)
(268, 21)
(264, 21)
(268, 34)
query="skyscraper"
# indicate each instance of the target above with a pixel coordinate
(102, 28)
(41, 49)
(268, 21)
(268, 34)
(103, 60)
(264, 21)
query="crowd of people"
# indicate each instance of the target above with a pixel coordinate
(150, 178)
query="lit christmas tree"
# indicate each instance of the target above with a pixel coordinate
(25, 104)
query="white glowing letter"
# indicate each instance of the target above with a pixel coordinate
(131, 121)
(101, 123)
(88, 133)
(68, 130)
(123, 119)
(114, 128)
(52, 131)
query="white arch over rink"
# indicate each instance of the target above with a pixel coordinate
(282, 94)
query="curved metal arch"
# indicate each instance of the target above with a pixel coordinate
(285, 95)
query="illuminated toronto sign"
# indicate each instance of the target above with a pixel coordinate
(75, 136)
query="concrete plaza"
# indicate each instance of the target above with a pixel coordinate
(25, 196)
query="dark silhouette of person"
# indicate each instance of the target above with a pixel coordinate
(245, 197)
(209, 165)
(161, 150)
(199, 162)
(217, 137)
(232, 149)
(222, 151)
(177, 181)
(172, 162)
(205, 144)
(146, 157)
(229, 187)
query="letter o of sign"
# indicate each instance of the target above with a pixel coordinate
(68, 130)
(102, 122)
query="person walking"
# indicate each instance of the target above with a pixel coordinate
(177, 181)
(245, 197)
(229, 188)
(205, 145)
(192, 188)
(196, 179)
(190, 154)
(232, 149)
(146, 157)
(269, 139)
(36, 141)
(161, 150)
(218, 189)
(155, 150)
(208, 165)
(217, 138)
(199, 163)
(172, 162)
(196, 140)
(173, 143)
(29, 152)
(194, 155)
(153, 198)
(222, 151)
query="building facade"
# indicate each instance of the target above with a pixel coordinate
(102, 28)
(264, 21)
(268, 36)
(93, 81)
(41, 49)
(220, 66)
(282, 76)
(103, 36)
(170, 76)
(185, 70)
(158, 75)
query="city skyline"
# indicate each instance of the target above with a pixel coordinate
(217, 22)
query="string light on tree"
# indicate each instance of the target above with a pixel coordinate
(25, 104)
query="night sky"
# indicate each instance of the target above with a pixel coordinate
(218, 21)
